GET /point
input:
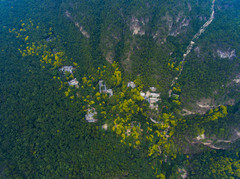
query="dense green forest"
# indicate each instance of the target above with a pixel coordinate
(43, 129)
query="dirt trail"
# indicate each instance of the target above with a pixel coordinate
(190, 46)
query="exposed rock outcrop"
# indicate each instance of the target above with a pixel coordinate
(81, 29)
(137, 26)
(226, 54)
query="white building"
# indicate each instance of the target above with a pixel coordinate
(90, 115)
(73, 82)
(153, 89)
(201, 137)
(131, 84)
(153, 104)
(105, 127)
(110, 92)
(65, 69)
(154, 95)
(152, 98)
(102, 86)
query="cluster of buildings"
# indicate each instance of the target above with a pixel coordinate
(151, 96)
(70, 69)
(90, 116)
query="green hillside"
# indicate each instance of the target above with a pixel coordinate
(171, 104)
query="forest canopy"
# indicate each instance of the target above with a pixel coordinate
(67, 111)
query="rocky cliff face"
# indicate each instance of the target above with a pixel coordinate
(124, 21)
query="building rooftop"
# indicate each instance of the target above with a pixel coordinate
(73, 82)
(154, 95)
(131, 84)
(105, 126)
(152, 98)
(100, 82)
(90, 115)
(102, 86)
(153, 89)
(65, 69)
(110, 92)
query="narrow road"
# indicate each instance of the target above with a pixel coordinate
(190, 46)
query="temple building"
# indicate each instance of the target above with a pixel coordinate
(65, 69)
(131, 84)
(73, 82)
(110, 92)
(91, 113)
(102, 86)
(152, 98)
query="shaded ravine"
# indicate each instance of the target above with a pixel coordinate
(190, 46)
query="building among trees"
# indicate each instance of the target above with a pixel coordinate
(131, 84)
(73, 82)
(65, 69)
(90, 116)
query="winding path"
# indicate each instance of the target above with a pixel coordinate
(190, 46)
